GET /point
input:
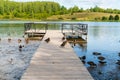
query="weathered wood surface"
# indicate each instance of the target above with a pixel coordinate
(52, 62)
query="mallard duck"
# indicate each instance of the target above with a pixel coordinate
(119, 54)
(20, 47)
(102, 62)
(19, 40)
(96, 53)
(101, 58)
(63, 38)
(118, 62)
(47, 40)
(63, 44)
(9, 39)
(92, 64)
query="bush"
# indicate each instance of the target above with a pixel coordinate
(74, 18)
(104, 18)
(116, 17)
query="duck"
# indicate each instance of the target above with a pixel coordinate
(119, 54)
(9, 39)
(102, 62)
(118, 62)
(92, 64)
(63, 44)
(26, 40)
(101, 58)
(96, 53)
(83, 57)
(47, 40)
(63, 38)
(20, 47)
(19, 40)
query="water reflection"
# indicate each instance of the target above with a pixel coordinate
(105, 40)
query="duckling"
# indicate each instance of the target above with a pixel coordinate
(47, 40)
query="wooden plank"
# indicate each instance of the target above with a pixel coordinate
(52, 62)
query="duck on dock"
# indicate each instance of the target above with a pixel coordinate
(63, 44)
(63, 38)
(47, 40)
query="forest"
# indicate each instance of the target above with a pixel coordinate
(41, 10)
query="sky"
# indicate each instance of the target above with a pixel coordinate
(114, 4)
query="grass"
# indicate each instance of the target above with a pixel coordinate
(83, 16)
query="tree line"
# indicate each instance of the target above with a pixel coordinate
(111, 18)
(42, 10)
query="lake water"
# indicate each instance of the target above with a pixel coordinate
(103, 37)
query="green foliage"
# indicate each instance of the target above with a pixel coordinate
(43, 9)
(116, 17)
(104, 18)
(111, 18)
(28, 10)
(60, 18)
(73, 18)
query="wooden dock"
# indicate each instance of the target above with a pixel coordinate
(52, 62)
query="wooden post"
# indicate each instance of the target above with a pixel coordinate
(72, 28)
(46, 27)
(62, 28)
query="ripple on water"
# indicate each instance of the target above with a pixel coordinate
(13, 62)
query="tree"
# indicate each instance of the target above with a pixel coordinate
(111, 18)
(116, 17)
(75, 9)
(104, 18)
(63, 10)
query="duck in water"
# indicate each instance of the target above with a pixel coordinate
(19, 40)
(9, 39)
(20, 47)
